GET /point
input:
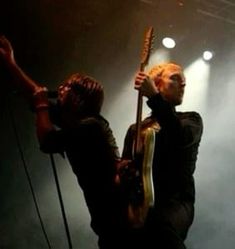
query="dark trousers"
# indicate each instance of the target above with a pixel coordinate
(166, 228)
(166, 238)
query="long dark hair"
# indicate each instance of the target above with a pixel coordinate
(84, 92)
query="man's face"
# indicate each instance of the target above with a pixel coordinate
(70, 100)
(63, 91)
(171, 84)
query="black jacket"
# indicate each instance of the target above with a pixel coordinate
(176, 150)
(92, 152)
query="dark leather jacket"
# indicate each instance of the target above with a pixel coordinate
(176, 150)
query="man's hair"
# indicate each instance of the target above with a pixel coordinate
(156, 72)
(85, 92)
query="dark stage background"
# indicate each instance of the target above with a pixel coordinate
(103, 38)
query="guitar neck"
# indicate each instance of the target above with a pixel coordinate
(144, 62)
(137, 148)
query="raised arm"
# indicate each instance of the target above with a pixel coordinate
(32, 91)
(20, 79)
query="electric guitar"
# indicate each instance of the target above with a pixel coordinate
(141, 196)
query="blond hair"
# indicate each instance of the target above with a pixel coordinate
(156, 72)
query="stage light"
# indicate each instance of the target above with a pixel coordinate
(207, 55)
(168, 42)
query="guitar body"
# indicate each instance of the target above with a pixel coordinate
(138, 209)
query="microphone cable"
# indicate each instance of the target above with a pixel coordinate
(12, 119)
(61, 201)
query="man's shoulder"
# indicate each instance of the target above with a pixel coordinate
(98, 121)
(82, 128)
(192, 116)
(192, 124)
(96, 125)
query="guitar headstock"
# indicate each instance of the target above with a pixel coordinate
(148, 44)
